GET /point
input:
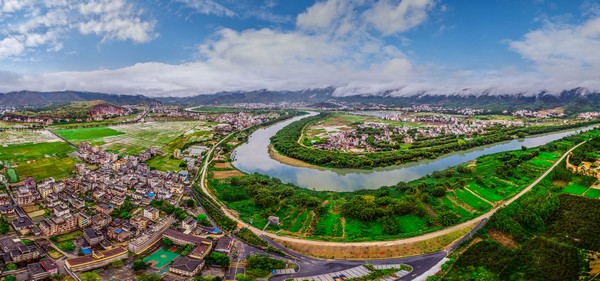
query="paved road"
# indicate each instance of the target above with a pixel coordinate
(311, 266)
(378, 243)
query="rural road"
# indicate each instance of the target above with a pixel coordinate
(420, 238)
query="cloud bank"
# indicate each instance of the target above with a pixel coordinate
(335, 43)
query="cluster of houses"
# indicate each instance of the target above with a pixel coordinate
(538, 114)
(237, 121)
(588, 115)
(88, 201)
(367, 135)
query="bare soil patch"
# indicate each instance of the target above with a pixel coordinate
(222, 165)
(288, 160)
(560, 183)
(226, 174)
(502, 238)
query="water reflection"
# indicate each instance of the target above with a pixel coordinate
(253, 156)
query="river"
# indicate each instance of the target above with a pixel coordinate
(253, 157)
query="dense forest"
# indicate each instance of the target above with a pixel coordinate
(286, 143)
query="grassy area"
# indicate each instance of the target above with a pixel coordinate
(575, 189)
(30, 151)
(54, 254)
(84, 134)
(12, 175)
(67, 246)
(67, 236)
(56, 167)
(593, 193)
(164, 163)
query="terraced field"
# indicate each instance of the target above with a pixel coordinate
(592, 193)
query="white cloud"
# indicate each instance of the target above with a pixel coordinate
(323, 15)
(388, 17)
(391, 17)
(11, 6)
(115, 19)
(208, 7)
(335, 43)
(567, 54)
(45, 23)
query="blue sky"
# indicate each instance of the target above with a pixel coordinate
(188, 47)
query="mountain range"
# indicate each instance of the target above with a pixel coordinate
(576, 100)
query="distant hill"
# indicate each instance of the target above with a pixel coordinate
(576, 100)
(37, 99)
(573, 101)
(72, 110)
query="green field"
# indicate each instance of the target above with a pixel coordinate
(68, 236)
(84, 134)
(12, 176)
(56, 167)
(593, 193)
(31, 151)
(411, 223)
(472, 200)
(575, 189)
(164, 163)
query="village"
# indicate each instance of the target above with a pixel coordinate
(116, 207)
(378, 136)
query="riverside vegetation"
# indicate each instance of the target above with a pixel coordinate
(547, 234)
(287, 142)
(431, 203)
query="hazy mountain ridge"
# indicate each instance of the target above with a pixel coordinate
(576, 100)
(37, 99)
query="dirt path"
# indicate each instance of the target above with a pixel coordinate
(420, 238)
(477, 195)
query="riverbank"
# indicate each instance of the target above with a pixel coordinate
(429, 242)
(288, 141)
(274, 154)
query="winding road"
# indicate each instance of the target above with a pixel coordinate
(420, 238)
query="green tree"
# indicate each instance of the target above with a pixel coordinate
(4, 225)
(11, 266)
(167, 242)
(117, 263)
(10, 278)
(139, 265)
(216, 258)
(191, 203)
(90, 276)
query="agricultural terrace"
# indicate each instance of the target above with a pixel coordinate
(409, 209)
(583, 164)
(354, 141)
(545, 235)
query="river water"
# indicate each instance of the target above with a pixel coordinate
(253, 157)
